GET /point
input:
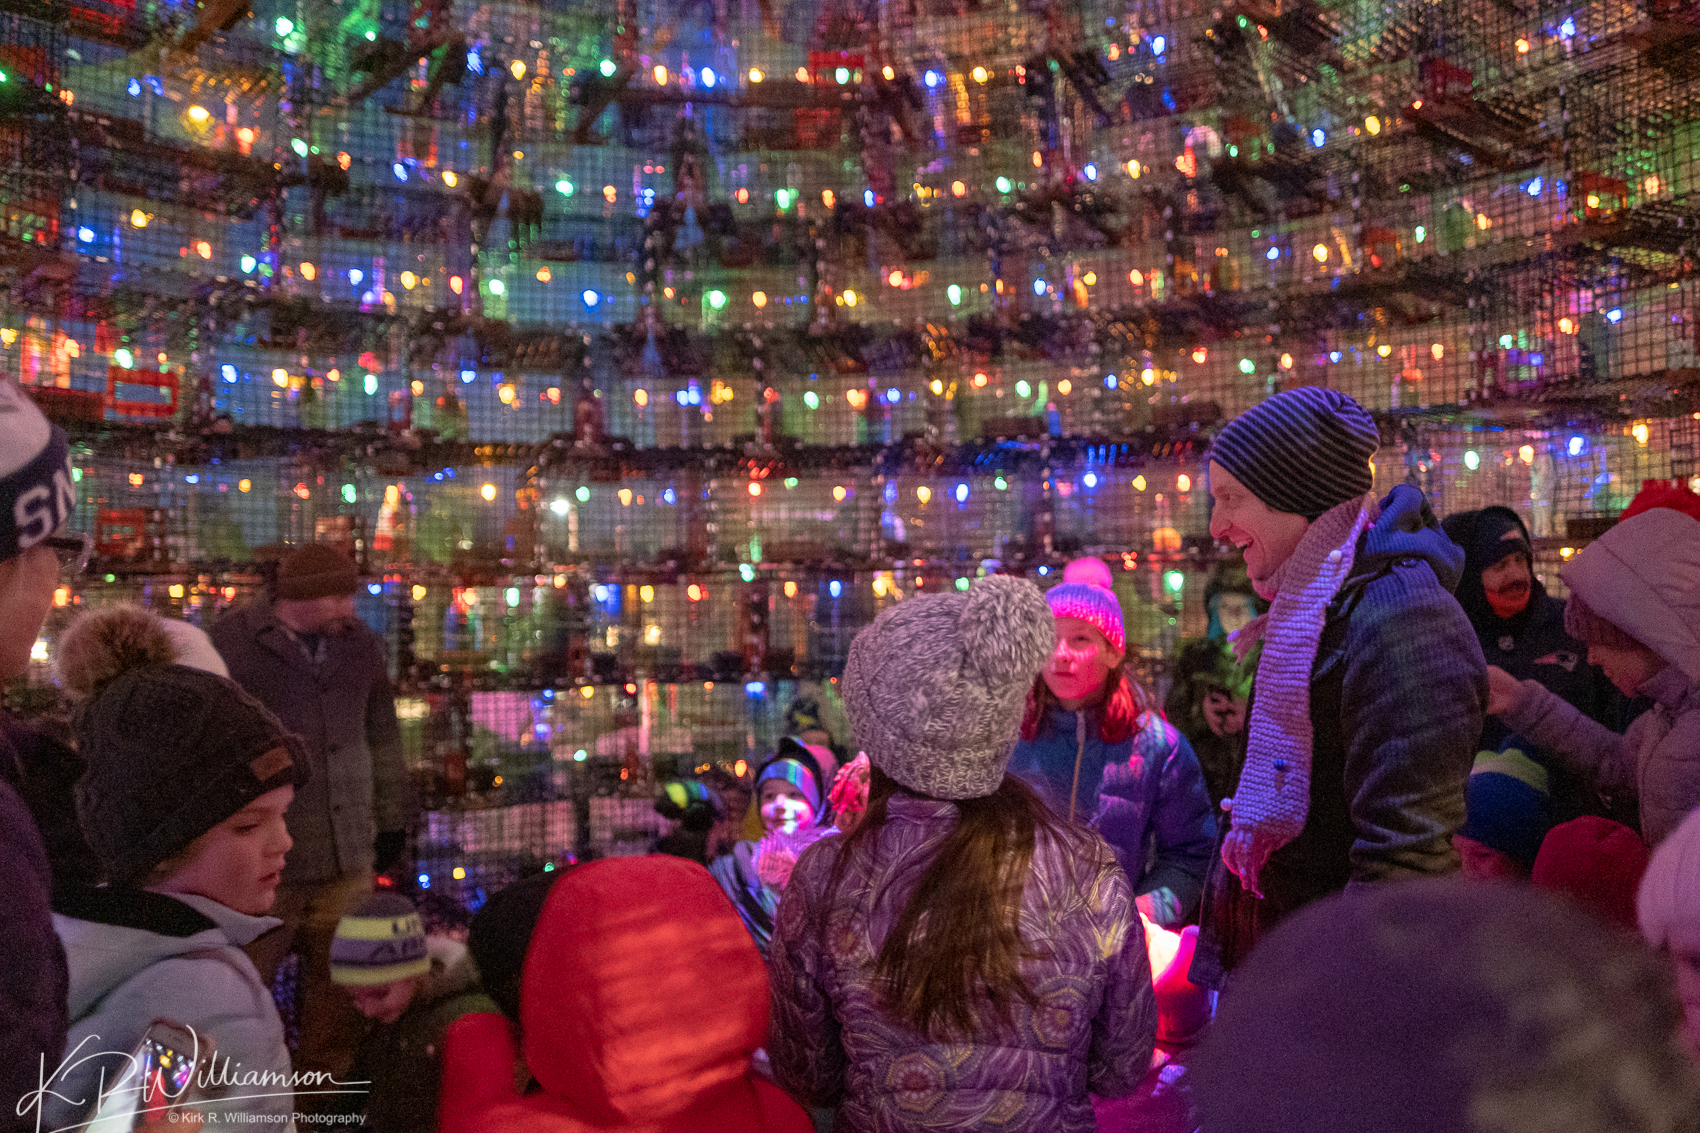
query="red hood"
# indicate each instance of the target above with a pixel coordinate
(642, 992)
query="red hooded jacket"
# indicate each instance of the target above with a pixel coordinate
(642, 1001)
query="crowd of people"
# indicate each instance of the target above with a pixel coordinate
(1412, 845)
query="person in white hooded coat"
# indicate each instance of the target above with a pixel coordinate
(1635, 599)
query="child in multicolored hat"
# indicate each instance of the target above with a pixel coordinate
(790, 799)
(410, 987)
(1098, 751)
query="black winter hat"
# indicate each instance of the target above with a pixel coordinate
(1487, 536)
(171, 751)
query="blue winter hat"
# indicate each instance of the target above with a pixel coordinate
(795, 773)
(1506, 804)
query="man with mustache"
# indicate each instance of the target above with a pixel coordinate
(301, 651)
(1521, 628)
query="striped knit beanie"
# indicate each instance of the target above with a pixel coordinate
(1302, 451)
(1093, 605)
(378, 943)
(793, 772)
(1505, 804)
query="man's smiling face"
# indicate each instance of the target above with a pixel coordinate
(1267, 537)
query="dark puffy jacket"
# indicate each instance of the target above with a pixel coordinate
(1145, 795)
(34, 982)
(404, 1060)
(344, 708)
(1397, 696)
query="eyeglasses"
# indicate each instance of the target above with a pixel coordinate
(73, 552)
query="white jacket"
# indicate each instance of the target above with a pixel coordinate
(178, 957)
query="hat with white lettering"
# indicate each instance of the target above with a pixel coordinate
(381, 941)
(35, 474)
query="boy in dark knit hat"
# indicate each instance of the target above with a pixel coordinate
(1370, 687)
(35, 499)
(409, 987)
(188, 780)
(301, 651)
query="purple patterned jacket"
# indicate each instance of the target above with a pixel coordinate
(832, 1044)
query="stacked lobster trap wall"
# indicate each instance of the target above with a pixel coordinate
(643, 351)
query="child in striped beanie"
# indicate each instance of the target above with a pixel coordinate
(411, 987)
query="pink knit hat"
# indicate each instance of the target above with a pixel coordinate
(1095, 605)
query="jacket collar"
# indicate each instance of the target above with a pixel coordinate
(1669, 687)
(268, 630)
(176, 915)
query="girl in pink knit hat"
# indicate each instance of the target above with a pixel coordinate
(1094, 745)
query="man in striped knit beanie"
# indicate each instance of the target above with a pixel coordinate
(1371, 685)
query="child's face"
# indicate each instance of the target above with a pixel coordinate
(1081, 662)
(385, 1003)
(1628, 669)
(239, 862)
(784, 807)
(1486, 863)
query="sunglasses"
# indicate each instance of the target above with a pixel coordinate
(73, 552)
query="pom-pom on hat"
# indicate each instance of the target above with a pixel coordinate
(1668, 905)
(935, 686)
(171, 751)
(35, 474)
(315, 570)
(1091, 570)
(123, 632)
(381, 941)
(1302, 451)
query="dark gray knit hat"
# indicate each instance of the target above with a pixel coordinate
(935, 687)
(1302, 451)
(171, 751)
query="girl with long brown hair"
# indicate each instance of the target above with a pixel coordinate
(965, 956)
(1094, 745)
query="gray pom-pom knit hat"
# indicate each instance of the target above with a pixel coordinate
(935, 686)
